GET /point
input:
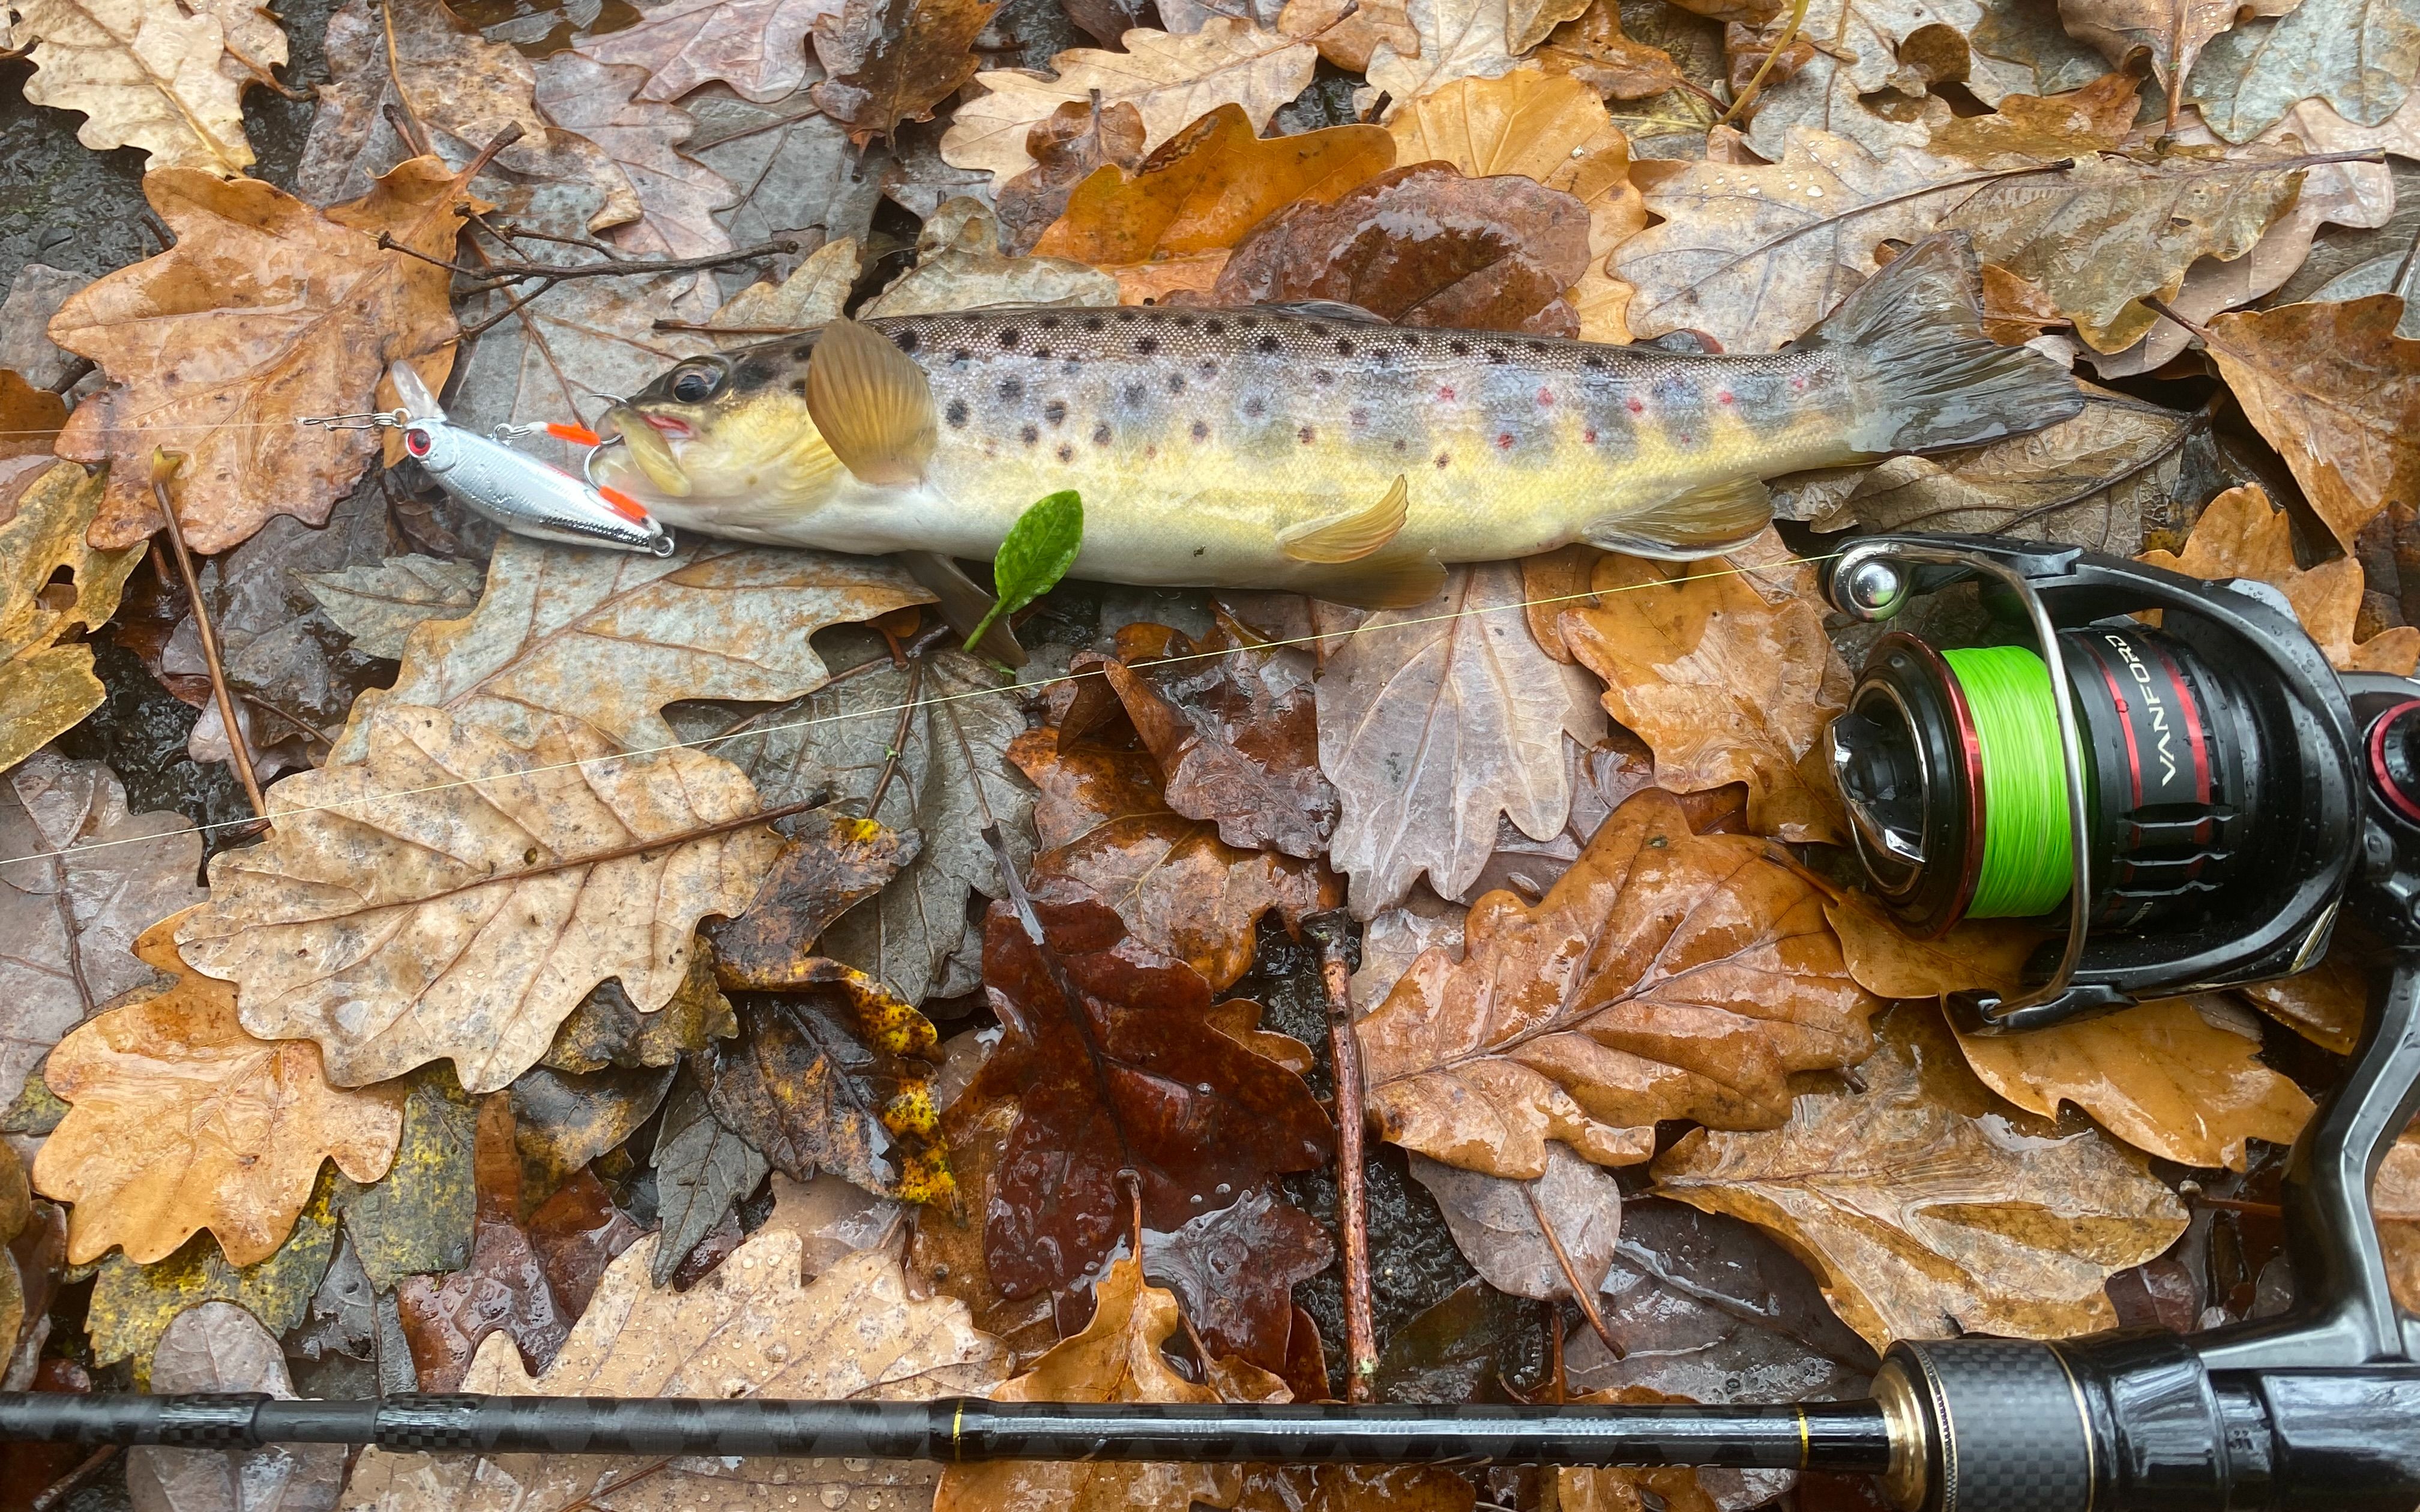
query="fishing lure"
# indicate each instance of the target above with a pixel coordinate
(517, 490)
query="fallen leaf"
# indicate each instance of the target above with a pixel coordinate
(960, 267)
(48, 688)
(2022, 49)
(1158, 283)
(1676, 1488)
(1105, 823)
(577, 1233)
(2324, 1005)
(758, 46)
(1171, 81)
(2396, 1197)
(2334, 390)
(1436, 720)
(180, 1121)
(1066, 147)
(1928, 1209)
(676, 196)
(2174, 1078)
(1116, 1358)
(379, 606)
(144, 72)
(1886, 960)
(751, 1328)
(893, 60)
(30, 418)
(1592, 49)
(1208, 186)
(1496, 254)
(1129, 1076)
(1550, 1238)
(1354, 1489)
(609, 637)
(134, 1305)
(1457, 40)
(278, 310)
(564, 1119)
(459, 92)
(702, 1167)
(366, 921)
(2095, 118)
(1719, 980)
(1348, 40)
(1715, 1310)
(71, 919)
(1236, 1271)
(945, 1250)
(1862, 50)
(218, 1347)
(1468, 1346)
(420, 1218)
(815, 292)
(1726, 675)
(2359, 56)
(2238, 536)
(835, 1078)
(2170, 35)
(503, 1289)
(832, 863)
(951, 772)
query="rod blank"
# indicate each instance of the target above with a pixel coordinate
(1845, 1436)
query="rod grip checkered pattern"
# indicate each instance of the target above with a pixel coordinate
(2010, 1431)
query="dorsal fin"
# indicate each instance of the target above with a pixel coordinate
(872, 402)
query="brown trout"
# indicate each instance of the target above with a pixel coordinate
(1306, 447)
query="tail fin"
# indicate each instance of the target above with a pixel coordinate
(1916, 330)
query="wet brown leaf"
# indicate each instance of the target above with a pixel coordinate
(2238, 536)
(366, 921)
(1592, 49)
(2337, 392)
(47, 686)
(1354, 1489)
(959, 265)
(1496, 256)
(420, 1218)
(893, 60)
(564, 1119)
(1870, 78)
(1171, 81)
(180, 1121)
(2396, 1197)
(1207, 186)
(832, 863)
(1105, 823)
(277, 311)
(1986, 953)
(1550, 1238)
(1127, 1075)
(2095, 118)
(218, 1347)
(1347, 42)
(2324, 1005)
(1929, 1209)
(758, 46)
(577, 1233)
(2174, 1078)
(1236, 1271)
(2358, 56)
(751, 1328)
(1726, 675)
(608, 1030)
(502, 1289)
(1436, 720)
(30, 418)
(1067, 148)
(1717, 979)
(1115, 1359)
(145, 73)
(1456, 40)
(2168, 34)
(702, 1167)
(379, 606)
(676, 195)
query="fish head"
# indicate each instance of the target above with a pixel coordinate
(718, 429)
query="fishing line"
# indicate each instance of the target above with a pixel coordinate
(2027, 853)
(753, 732)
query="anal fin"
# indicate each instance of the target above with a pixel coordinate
(1349, 537)
(963, 603)
(1704, 521)
(1391, 580)
(871, 404)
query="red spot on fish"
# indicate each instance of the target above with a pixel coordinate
(1504, 441)
(1150, 451)
(1724, 397)
(1637, 406)
(624, 505)
(1798, 384)
(1545, 396)
(1588, 437)
(1446, 391)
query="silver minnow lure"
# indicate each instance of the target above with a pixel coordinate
(524, 495)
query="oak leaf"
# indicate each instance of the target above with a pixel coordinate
(676, 194)
(1726, 675)
(2238, 536)
(2324, 1005)
(610, 638)
(2168, 34)
(2095, 118)
(1929, 1207)
(1105, 823)
(218, 1347)
(1207, 186)
(832, 863)
(1436, 721)
(2174, 1078)
(1665, 976)
(1110, 1051)
(2396, 1197)
(145, 73)
(2358, 56)
(751, 1328)
(501, 1288)
(1551, 1238)
(1978, 953)
(1592, 48)
(959, 265)
(30, 418)
(179, 1122)
(1068, 146)
(380, 606)
(1171, 81)
(1236, 1271)
(702, 1167)
(2337, 392)
(420, 1218)
(47, 688)
(889, 61)
(1347, 32)
(272, 311)
(1455, 40)
(1863, 49)
(758, 46)
(435, 898)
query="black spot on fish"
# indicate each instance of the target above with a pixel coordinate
(1147, 345)
(1008, 335)
(1200, 550)
(1213, 327)
(1270, 346)
(1040, 355)
(1593, 364)
(1028, 434)
(1066, 454)
(1012, 389)
(1359, 417)
(905, 340)
(1460, 348)
(1101, 434)
(1200, 430)
(956, 414)
(1128, 317)
(1399, 443)
(798, 387)
(803, 353)
(1092, 323)
(1306, 435)
(1055, 411)
(753, 374)
(1176, 383)
(1322, 378)
(1247, 323)
(1344, 347)
(1184, 322)
(1133, 392)
(961, 357)
(1207, 368)
(1254, 409)
(1050, 322)
(1496, 354)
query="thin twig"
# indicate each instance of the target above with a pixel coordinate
(74, 1480)
(1755, 81)
(500, 272)
(712, 329)
(1582, 1292)
(2153, 302)
(898, 739)
(163, 467)
(1352, 1201)
(416, 136)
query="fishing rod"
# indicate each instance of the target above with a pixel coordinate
(2200, 801)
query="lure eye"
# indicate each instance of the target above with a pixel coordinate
(696, 385)
(416, 442)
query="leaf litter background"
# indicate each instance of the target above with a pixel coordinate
(1664, 1107)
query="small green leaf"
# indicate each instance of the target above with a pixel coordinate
(1039, 549)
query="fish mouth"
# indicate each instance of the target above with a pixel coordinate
(646, 444)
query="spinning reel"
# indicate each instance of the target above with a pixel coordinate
(2197, 800)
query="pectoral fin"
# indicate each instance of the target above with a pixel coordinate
(1704, 521)
(871, 404)
(1349, 537)
(963, 603)
(1391, 580)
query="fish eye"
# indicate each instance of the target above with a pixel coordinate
(696, 385)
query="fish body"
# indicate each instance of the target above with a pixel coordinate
(1308, 448)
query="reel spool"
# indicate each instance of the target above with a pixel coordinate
(2184, 794)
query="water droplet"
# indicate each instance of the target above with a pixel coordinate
(1225, 1187)
(1195, 1199)
(835, 1497)
(1814, 192)
(1202, 1086)
(856, 1466)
